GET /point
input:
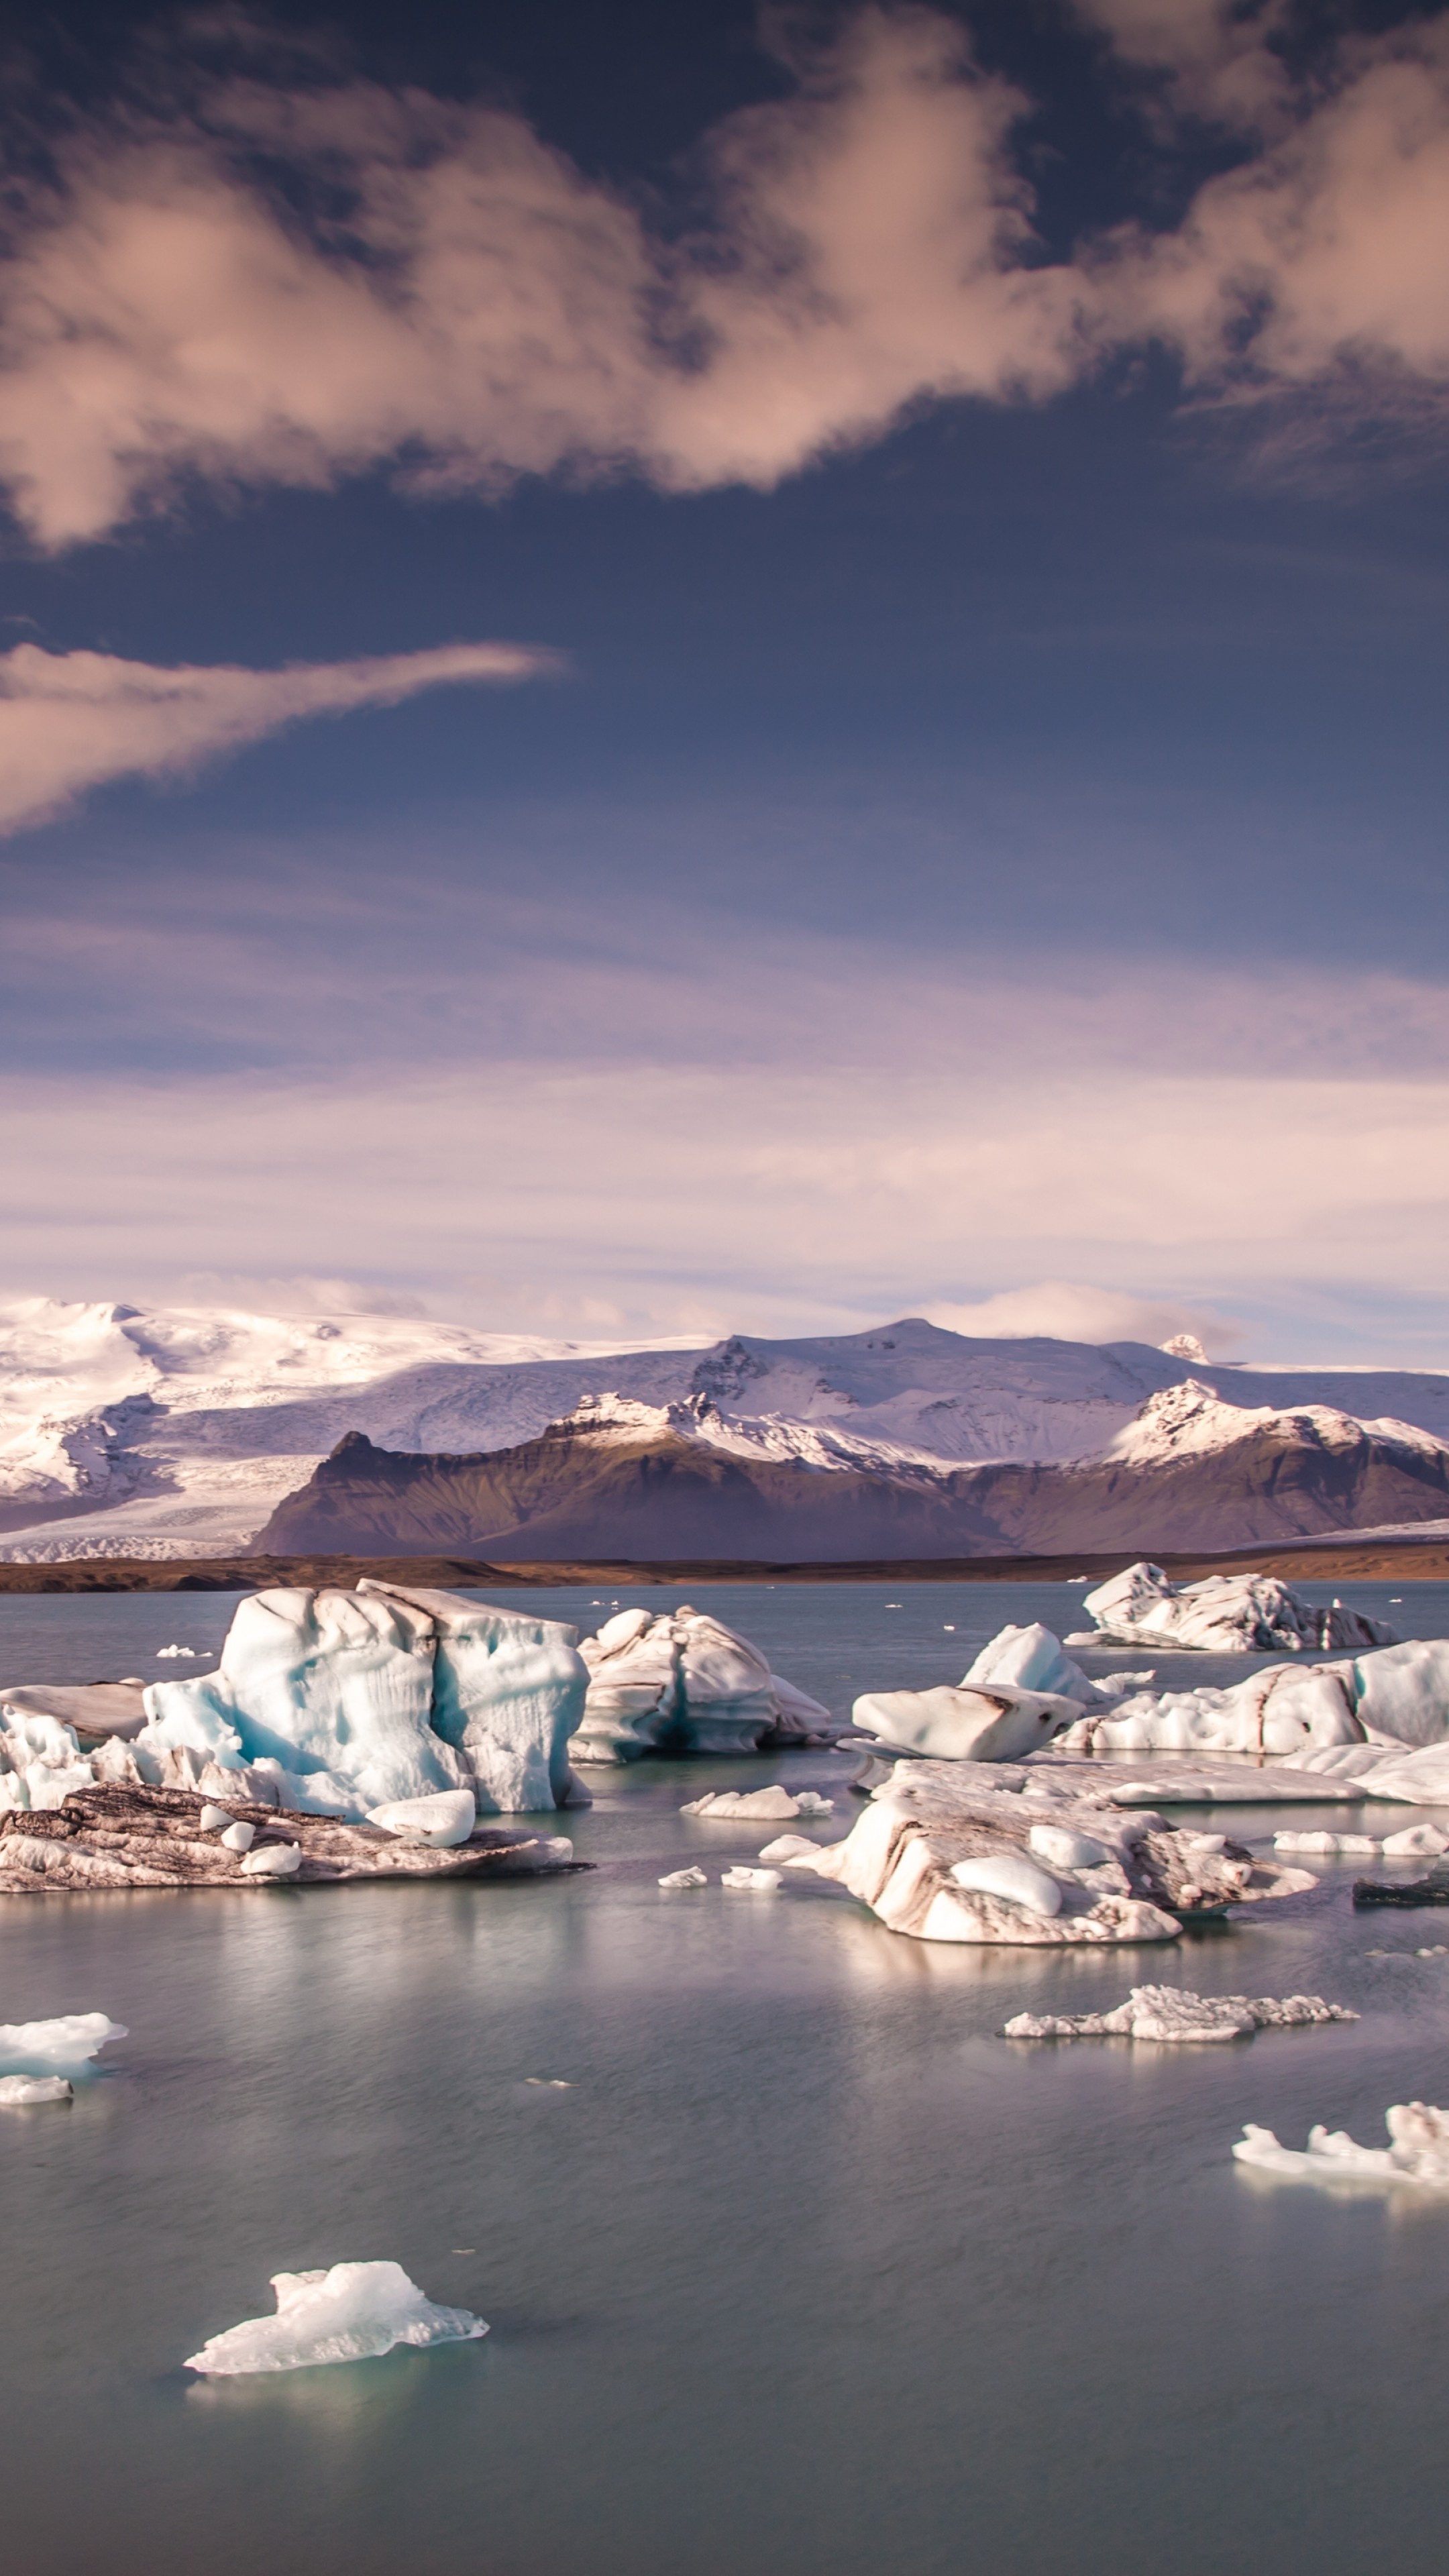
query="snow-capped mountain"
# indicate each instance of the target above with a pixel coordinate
(167, 1432)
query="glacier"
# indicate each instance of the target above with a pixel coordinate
(352, 2312)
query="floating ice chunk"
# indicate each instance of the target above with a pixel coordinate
(1232, 1612)
(762, 1881)
(685, 1683)
(1417, 2153)
(238, 1837)
(725, 1806)
(1013, 1877)
(273, 1860)
(444, 1820)
(980, 1722)
(1172, 2014)
(354, 2312)
(169, 1653)
(1357, 1846)
(1057, 1843)
(213, 1820)
(809, 1802)
(787, 1847)
(1032, 1659)
(17, 2092)
(693, 1877)
(1416, 1842)
(69, 2040)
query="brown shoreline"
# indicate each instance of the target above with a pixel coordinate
(1365, 1561)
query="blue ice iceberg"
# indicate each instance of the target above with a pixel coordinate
(343, 1702)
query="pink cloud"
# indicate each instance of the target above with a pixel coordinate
(69, 721)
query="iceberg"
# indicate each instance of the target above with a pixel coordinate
(17, 2092)
(993, 1723)
(507, 1693)
(944, 1851)
(760, 1882)
(1417, 2153)
(47, 2047)
(359, 1700)
(693, 1877)
(682, 1682)
(1223, 1613)
(1403, 1691)
(1172, 2015)
(354, 2312)
(1330, 1846)
(767, 1806)
(443, 1821)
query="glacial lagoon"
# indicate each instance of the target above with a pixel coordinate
(789, 2261)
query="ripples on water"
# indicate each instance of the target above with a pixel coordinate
(805, 2271)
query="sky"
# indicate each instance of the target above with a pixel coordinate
(688, 670)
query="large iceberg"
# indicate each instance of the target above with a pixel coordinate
(359, 1700)
(682, 1682)
(354, 2312)
(1220, 1614)
(956, 1851)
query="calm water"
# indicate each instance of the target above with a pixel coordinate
(805, 2270)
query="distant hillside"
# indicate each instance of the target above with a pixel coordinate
(635, 1482)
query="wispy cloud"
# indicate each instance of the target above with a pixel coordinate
(69, 721)
(466, 304)
(1070, 1311)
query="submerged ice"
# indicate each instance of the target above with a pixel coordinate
(354, 2312)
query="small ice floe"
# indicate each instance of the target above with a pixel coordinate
(1171, 2013)
(727, 1806)
(1417, 2153)
(444, 1820)
(762, 1882)
(168, 1654)
(46, 2047)
(272, 1860)
(684, 1878)
(18, 2092)
(788, 1847)
(1330, 1846)
(1416, 1842)
(549, 2084)
(354, 2312)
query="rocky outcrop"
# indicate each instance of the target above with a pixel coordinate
(640, 1483)
(126, 1837)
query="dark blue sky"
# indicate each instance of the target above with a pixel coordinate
(1027, 751)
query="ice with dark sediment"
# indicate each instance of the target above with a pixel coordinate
(681, 1682)
(956, 1851)
(1222, 1613)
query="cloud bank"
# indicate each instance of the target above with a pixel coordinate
(70, 721)
(433, 286)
